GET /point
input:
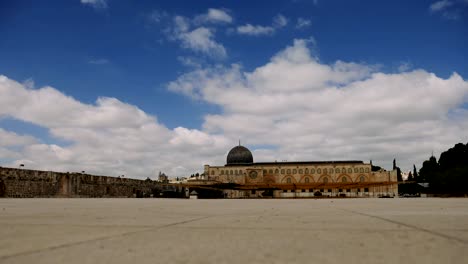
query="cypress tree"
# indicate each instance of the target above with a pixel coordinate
(415, 173)
(399, 176)
(410, 177)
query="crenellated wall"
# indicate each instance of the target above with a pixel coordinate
(34, 183)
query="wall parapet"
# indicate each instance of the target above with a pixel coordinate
(16, 182)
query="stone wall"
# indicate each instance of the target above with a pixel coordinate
(34, 183)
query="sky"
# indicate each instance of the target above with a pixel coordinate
(126, 87)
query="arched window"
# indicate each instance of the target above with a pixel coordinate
(367, 169)
(319, 171)
(337, 170)
(236, 172)
(325, 180)
(288, 171)
(306, 180)
(306, 171)
(231, 172)
(362, 179)
(288, 180)
(312, 171)
(276, 171)
(271, 171)
(212, 172)
(355, 170)
(264, 171)
(282, 171)
(361, 170)
(350, 170)
(344, 179)
(324, 171)
(294, 171)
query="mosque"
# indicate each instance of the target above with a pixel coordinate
(296, 179)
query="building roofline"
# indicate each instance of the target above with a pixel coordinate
(295, 163)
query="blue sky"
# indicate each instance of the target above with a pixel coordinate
(134, 50)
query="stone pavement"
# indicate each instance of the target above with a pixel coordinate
(413, 230)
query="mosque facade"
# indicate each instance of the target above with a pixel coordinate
(349, 178)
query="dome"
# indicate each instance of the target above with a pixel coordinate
(239, 155)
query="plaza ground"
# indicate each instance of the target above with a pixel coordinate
(414, 230)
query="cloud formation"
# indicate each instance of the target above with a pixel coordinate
(304, 109)
(196, 34)
(449, 9)
(202, 40)
(440, 5)
(257, 30)
(279, 21)
(214, 15)
(303, 23)
(109, 137)
(8, 139)
(97, 4)
(291, 108)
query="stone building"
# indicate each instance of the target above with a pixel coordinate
(350, 178)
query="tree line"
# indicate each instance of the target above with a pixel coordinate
(449, 174)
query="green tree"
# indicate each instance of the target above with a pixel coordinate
(415, 173)
(429, 170)
(449, 175)
(454, 157)
(375, 168)
(410, 177)
(395, 167)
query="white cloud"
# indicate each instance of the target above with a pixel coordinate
(98, 4)
(29, 83)
(8, 139)
(279, 21)
(440, 5)
(309, 110)
(214, 15)
(405, 66)
(300, 108)
(200, 39)
(449, 9)
(303, 23)
(190, 61)
(181, 24)
(157, 16)
(252, 30)
(109, 137)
